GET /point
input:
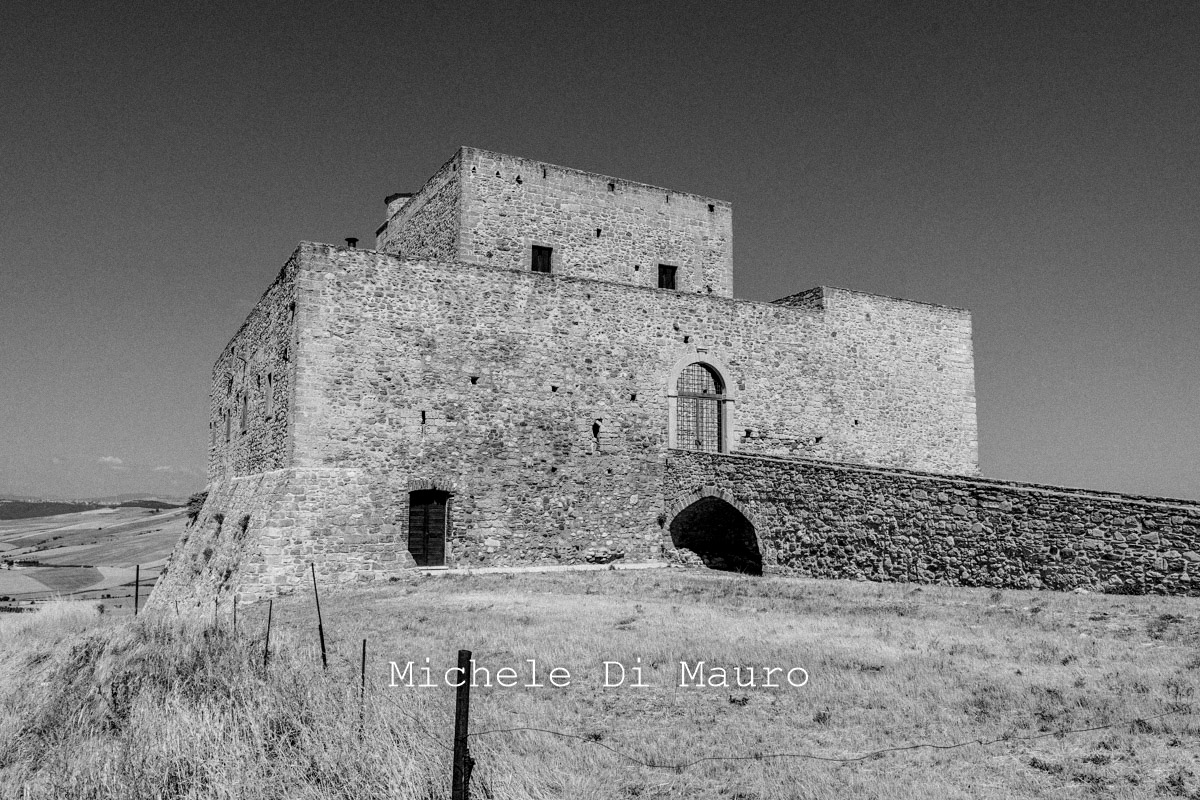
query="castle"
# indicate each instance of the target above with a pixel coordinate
(542, 366)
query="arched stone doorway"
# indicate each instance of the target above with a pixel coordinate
(719, 534)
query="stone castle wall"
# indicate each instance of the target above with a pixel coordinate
(490, 209)
(542, 403)
(542, 398)
(904, 354)
(257, 535)
(427, 225)
(827, 520)
(250, 400)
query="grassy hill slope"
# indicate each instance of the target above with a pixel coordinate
(172, 708)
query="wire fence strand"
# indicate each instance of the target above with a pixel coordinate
(680, 766)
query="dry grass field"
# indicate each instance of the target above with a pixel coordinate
(92, 706)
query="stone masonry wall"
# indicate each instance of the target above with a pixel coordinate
(600, 227)
(427, 225)
(900, 348)
(540, 400)
(490, 209)
(257, 535)
(250, 399)
(840, 521)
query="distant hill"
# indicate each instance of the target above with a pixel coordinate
(29, 509)
(25, 509)
(159, 504)
(137, 499)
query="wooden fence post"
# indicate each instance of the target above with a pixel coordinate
(460, 779)
(320, 626)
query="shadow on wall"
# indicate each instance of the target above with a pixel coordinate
(719, 535)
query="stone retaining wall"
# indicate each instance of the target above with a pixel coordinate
(828, 520)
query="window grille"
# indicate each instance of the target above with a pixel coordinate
(699, 409)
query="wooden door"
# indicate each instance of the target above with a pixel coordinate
(427, 527)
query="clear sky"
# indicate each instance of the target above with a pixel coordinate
(1036, 163)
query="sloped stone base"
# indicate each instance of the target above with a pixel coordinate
(257, 535)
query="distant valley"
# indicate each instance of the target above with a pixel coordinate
(84, 550)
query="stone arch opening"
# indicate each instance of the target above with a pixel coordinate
(719, 535)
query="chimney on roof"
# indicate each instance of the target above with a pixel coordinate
(351, 241)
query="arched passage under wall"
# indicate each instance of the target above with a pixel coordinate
(719, 534)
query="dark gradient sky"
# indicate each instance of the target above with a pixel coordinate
(1035, 163)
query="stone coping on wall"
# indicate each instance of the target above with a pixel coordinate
(802, 299)
(1190, 506)
(615, 565)
(466, 151)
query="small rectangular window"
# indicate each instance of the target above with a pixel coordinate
(541, 258)
(666, 276)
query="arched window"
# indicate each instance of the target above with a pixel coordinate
(700, 409)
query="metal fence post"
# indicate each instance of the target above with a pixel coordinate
(267, 640)
(320, 626)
